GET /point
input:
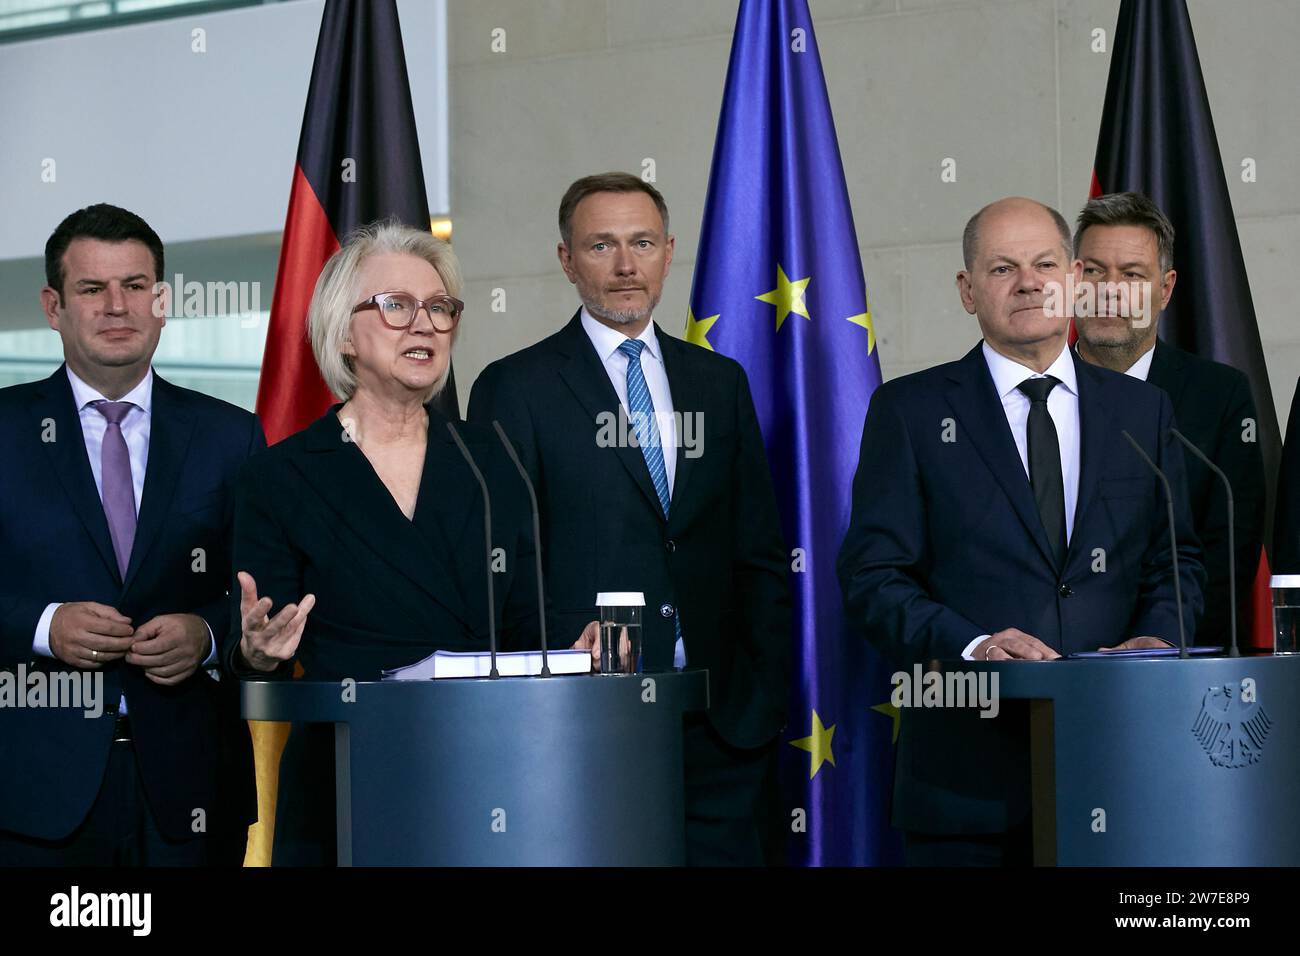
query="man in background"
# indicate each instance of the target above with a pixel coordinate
(1126, 245)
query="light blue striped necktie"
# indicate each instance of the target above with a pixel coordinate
(641, 409)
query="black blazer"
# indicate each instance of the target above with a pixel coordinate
(719, 559)
(1211, 401)
(312, 516)
(945, 544)
(1286, 520)
(193, 750)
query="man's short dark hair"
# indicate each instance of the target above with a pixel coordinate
(970, 236)
(605, 183)
(1129, 209)
(107, 224)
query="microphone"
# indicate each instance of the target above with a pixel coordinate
(1173, 539)
(537, 538)
(487, 532)
(1232, 544)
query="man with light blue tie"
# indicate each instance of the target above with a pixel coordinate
(114, 515)
(678, 504)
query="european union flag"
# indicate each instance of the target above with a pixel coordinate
(779, 287)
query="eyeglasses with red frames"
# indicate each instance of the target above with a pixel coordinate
(397, 310)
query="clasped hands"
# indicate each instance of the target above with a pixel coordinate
(169, 647)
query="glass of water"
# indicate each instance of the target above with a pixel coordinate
(620, 631)
(1286, 613)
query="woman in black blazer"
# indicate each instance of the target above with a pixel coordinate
(358, 542)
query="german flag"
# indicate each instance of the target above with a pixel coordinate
(1157, 138)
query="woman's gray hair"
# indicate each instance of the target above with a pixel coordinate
(329, 317)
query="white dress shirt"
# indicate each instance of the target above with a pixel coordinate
(135, 430)
(1062, 405)
(606, 342)
(1142, 367)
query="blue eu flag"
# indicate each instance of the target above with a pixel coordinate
(779, 287)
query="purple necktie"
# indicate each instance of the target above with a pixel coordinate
(115, 479)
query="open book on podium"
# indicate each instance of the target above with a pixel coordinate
(442, 664)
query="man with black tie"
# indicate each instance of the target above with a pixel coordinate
(999, 514)
(684, 511)
(1126, 245)
(115, 520)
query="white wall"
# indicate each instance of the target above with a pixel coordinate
(1009, 88)
(204, 146)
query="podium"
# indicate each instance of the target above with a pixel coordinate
(560, 771)
(1160, 762)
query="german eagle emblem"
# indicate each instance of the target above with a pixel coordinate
(1230, 730)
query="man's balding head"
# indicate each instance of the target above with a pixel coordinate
(1011, 206)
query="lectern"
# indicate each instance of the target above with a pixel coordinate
(559, 771)
(1161, 762)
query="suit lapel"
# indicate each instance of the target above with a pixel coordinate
(587, 378)
(69, 461)
(171, 424)
(1166, 369)
(450, 508)
(687, 390)
(975, 402)
(1097, 432)
(343, 477)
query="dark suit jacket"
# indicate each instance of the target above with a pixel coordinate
(945, 544)
(312, 516)
(192, 748)
(718, 559)
(1210, 401)
(1286, 520)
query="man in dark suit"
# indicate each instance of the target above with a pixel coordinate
(115, 519)
(1126, 245)
(684, 512)
(1286, 520)
(998, 513)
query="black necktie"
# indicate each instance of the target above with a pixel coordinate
(1045, 464)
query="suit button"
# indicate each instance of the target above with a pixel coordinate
(1065, 591)
(671, 545)
(665, 610)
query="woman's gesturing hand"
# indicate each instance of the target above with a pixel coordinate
(268, 642)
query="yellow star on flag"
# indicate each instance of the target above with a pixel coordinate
(864, 320)
(892, 712)
(818, 744)
(698, 329)
(787, 297)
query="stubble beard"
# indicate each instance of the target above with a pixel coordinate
(1117, 353)
(616, 316)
